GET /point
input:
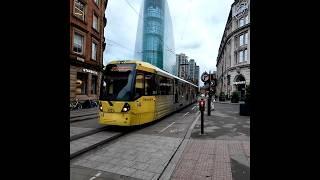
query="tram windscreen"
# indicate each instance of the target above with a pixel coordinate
(117, 82)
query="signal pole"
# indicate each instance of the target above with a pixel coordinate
(210, 93)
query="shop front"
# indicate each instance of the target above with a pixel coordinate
(240, 86)
(84, 83)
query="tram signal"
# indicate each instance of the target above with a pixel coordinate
(201, 105)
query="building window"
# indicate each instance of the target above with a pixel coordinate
(79, 9)
(240, 56)
(246, 38)
(241, 40)
(97, 2)
(83, 85)
(95, 22)
(94, 85)
(247, 18)
(94, 51)
(243, 55)
(241, 22)
(78, 41)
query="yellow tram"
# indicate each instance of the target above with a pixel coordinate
(136, 92)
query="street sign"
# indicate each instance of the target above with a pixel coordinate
(213, 83)
(205, 77)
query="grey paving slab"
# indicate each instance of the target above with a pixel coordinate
(143, 175)
(78, 130)
(150, 156)
(87, 141)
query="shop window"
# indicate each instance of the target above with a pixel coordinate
(82, 77)
(94, 85)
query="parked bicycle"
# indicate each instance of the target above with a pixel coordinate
(90, 104)
(75, 105)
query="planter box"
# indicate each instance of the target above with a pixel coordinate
(244, 110)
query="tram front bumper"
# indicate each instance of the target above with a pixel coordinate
(119, 119)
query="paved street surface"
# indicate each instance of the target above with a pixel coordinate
(87, 121)
(78, 130)
(142, 154)
(223, 152)
(174, 149)
(83, 112)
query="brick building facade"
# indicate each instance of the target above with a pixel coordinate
(87, 43)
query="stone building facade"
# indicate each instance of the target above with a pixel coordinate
(233, 61)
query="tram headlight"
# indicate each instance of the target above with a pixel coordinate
(126, 108)
(100, 107)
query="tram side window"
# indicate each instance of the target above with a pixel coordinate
(170, 87)
(139, 85)
(176, 90)
(165, 86)
(150, 86)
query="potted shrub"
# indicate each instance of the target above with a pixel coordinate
(222, 96)
(235, 97)
(245, 108)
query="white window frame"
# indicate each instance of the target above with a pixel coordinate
(97, 22)
(75, 8)
(81, 44)
(94, 56)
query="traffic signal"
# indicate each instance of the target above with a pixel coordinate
(202, 105)
(213, 83)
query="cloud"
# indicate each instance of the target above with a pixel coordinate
(198, 27)
(192, 45)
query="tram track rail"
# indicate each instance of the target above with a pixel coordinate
(113, 131)
(117, 133)
(87, 133)
(95, 145)
(83, 117)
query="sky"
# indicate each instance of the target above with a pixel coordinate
(198, 27)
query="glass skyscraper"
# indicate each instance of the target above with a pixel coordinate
(154, 41)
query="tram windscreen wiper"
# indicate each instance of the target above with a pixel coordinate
(110, 103)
